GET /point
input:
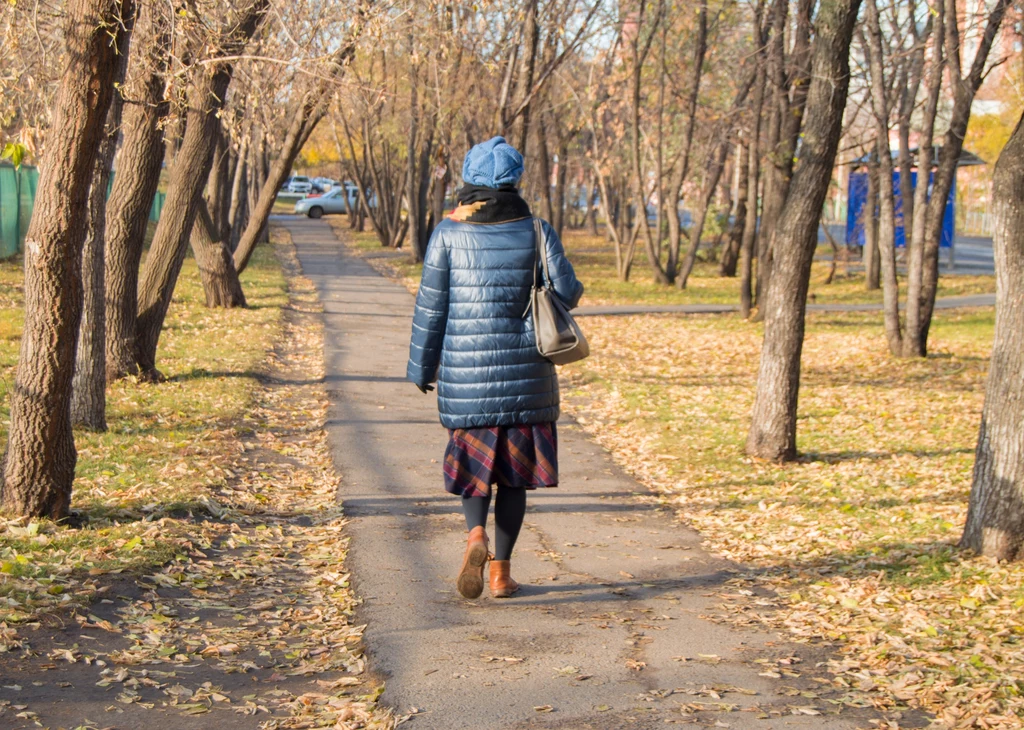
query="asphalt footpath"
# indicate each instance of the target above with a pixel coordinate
(609, 629)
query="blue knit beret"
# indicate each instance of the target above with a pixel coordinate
(492, 164)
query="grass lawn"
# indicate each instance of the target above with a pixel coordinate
(857, 541)
(594, 261)
(163, 452)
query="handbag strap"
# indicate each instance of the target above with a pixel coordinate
(540, 253)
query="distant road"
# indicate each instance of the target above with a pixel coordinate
(971, 254)
(971, 300)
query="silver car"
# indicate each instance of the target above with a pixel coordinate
(316, 206)
(300, 184)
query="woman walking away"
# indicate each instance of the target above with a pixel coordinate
(498, 397)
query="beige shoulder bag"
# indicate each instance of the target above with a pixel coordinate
(559, 338)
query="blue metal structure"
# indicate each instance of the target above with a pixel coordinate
(857, 208)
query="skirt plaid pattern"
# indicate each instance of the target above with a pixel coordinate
(509, 456)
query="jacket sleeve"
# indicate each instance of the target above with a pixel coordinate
(431, 315)
(563, 278)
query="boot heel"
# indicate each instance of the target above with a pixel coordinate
(470, 582)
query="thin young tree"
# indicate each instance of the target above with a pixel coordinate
(876, 51)
(965, 88)
(748, 244)
(39, 464)
(773, 423)
(995, 517)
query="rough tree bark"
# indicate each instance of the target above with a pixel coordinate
(886, 193)
(218, 186)
(773, 424)
(311, 109)
(131, 198)
(734, 238)
(995, 517)
(211, 242)
(788, 102)
(912, 344)
(39, 463)
(872, 275)
(216, 268)
(236, 206)
(89, 385)
(964, 91)
(188, 177)
(753, 172)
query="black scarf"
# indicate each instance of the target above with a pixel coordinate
(478, 204)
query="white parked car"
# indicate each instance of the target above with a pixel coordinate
(317, 205)
(300, 184)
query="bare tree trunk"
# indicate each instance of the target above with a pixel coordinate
(135, 184)
(734, 239)
(753, 172)
(218, 186)
(216, 267)
(886, 193)
(89, 385)
(995, 517)
(441, 181)
(640, 48)
(913, 345)
(558, 190)
(964, 91)
(773, 424)
(531, 36)
(789, 100)
(697, 229)
(417, 250)
(592, 208)
(39, 463)
(257, 175)
(682, 167)
(773, 195)
(188, 177)
(909, 86)
(872, 268)
(236, 205)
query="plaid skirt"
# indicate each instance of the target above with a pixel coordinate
(509, 456)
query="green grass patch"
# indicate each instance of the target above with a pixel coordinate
(162, 458)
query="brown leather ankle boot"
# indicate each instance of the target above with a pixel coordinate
(502, 585)
(471, 576)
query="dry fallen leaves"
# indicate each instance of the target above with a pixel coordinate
(259, 585)
(854, 544)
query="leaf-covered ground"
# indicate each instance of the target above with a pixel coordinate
(207, 575)
(857, 541)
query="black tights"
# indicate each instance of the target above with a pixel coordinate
(509, 510)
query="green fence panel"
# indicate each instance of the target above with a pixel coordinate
(18, 197)
(9, 210)
(158, 207)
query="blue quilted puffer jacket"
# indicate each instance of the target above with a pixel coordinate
(469, 333)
